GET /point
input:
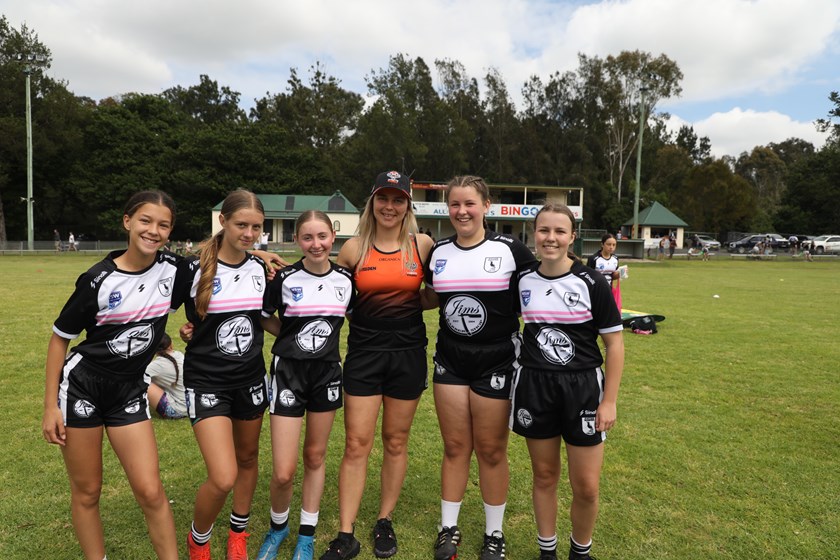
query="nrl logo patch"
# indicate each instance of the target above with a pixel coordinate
(114, 300)
(217, 285)
(297, 293)
(526, 296)
(440, 264)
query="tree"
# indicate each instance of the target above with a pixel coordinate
(720, 199)
(828, 124)
(810, 203)
(766, 173)
(206, 102)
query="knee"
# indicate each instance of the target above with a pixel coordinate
(454, 449)
(357, 448)
(545, 478)
(313, 459)
(222, 484)
(491, 454)
(283, 478)
(86, 495)
(586, 491)
(395, 444)
(248, 460)
(151, 495)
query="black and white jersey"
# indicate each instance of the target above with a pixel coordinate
(225, 351)
(311, 308)
(473, 286)
(602, 265)
(124, 313)
(563, 317)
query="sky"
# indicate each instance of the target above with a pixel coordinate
(755, 72)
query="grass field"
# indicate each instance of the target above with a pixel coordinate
(725, 447)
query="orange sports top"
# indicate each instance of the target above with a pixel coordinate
(385, 288)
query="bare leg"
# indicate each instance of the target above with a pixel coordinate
(397, 416)
(246, 440)
(285, 440)
(83, 459)
(490, 438)
(545, 464)
(360, 415)
(215, 440)
(452, 404)
(584, 476)
(318, 428)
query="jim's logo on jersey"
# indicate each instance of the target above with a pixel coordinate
(340, 293)
(259, 282)
(571, 298)
(235, 336)
(297, 293)
(217, 285)
(132, 342)
(465, 315)
(314, 335)
(165, 287)
(555, 345)
(526, 296)
(440, 264)
(333, 393)
(492, 264)
(114, 300)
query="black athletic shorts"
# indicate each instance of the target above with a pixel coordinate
(486, 368)
(297, 386)
(91, 397)
(244, 403)
(548, 404)
(399, 374)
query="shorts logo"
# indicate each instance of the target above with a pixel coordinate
(83, 409)
(314, 335)
(217, 285)
(165, 287)
(526, 297)
(258, 282)
(587, 424)
(571, 298)
(555, 345)
(132, 342)
(340, 293)
(286, 398)
(332, 394)
(524, 418)
(209, 400)
(297, 293)
(114, 300)
(440, 264)
(497, 381)
(235, 336)
(133, 408)
(257, 395)
(439, 369)
(465, 315)
(492, 264)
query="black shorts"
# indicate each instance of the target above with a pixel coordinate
(548, 404)
(399, 374)
(297, 386)
(90, 397)
(486, 368)
(244, 403)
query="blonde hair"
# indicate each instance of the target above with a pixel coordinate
(310, 216)
(209, 252)
(366, 232)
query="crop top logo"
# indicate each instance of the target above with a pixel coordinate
(235, 336)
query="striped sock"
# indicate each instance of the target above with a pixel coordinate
(238, 523)
(547, 544)
(200, 538)
(579, 549)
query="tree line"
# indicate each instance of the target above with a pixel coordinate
(575, 128)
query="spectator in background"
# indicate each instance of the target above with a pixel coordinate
(264, 241)
(57, 240)
(672, 245)
(71, 242)
(794, 244)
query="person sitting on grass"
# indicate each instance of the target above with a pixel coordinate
(166, 389)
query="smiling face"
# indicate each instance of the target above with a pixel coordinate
(315, 239)
(466, 212)
(389, 207)
(241, 230)
(148, 228)
(553, 234)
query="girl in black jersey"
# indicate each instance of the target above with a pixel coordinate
(468, 275)
(605, 262)
(224, 370)
(311, 297)
(560, 390)
(122, 303)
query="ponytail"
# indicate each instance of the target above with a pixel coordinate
(208, 262)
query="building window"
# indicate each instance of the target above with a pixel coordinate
(336, 226)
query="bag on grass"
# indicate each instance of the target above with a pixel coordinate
(643, 325)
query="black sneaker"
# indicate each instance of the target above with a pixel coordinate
(448, 540)
(574, 556)
(342, 548)
(494, 547)
(384, 539)
(548, 555)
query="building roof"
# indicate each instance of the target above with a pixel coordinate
(657, 215)
(290, 206)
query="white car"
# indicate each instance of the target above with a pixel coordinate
(826, 244)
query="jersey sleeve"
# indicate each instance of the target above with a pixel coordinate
(79, 313)
(605, 313)
(183, 281)
(590, 262)
(522, 255)
(273, 297)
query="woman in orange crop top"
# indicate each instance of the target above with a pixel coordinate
(385, 368)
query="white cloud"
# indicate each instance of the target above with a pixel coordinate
(739, 130)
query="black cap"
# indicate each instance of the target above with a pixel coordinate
(392, 180)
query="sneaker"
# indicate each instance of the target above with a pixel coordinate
(197, 551)
(341, 549)
(574, 556)
(237, 545)
(273, 539)
(548, 555)
(448, 540)
(384, 539)
(494, 547)
(305, 549)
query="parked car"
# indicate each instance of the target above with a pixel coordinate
(709, 242)
(826, 244)
(745, 244)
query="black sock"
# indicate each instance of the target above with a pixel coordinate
(307, 530)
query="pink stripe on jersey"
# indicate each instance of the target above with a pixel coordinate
(536, 316)
(242, 304)
(477, 284)
(313, 310)
(151, 312)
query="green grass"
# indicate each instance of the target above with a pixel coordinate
(725, 447)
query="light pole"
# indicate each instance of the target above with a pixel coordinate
(31, 61)
(642, 90)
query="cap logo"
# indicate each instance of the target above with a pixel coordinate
(393, 176)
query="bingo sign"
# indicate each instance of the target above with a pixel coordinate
(518, 212)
